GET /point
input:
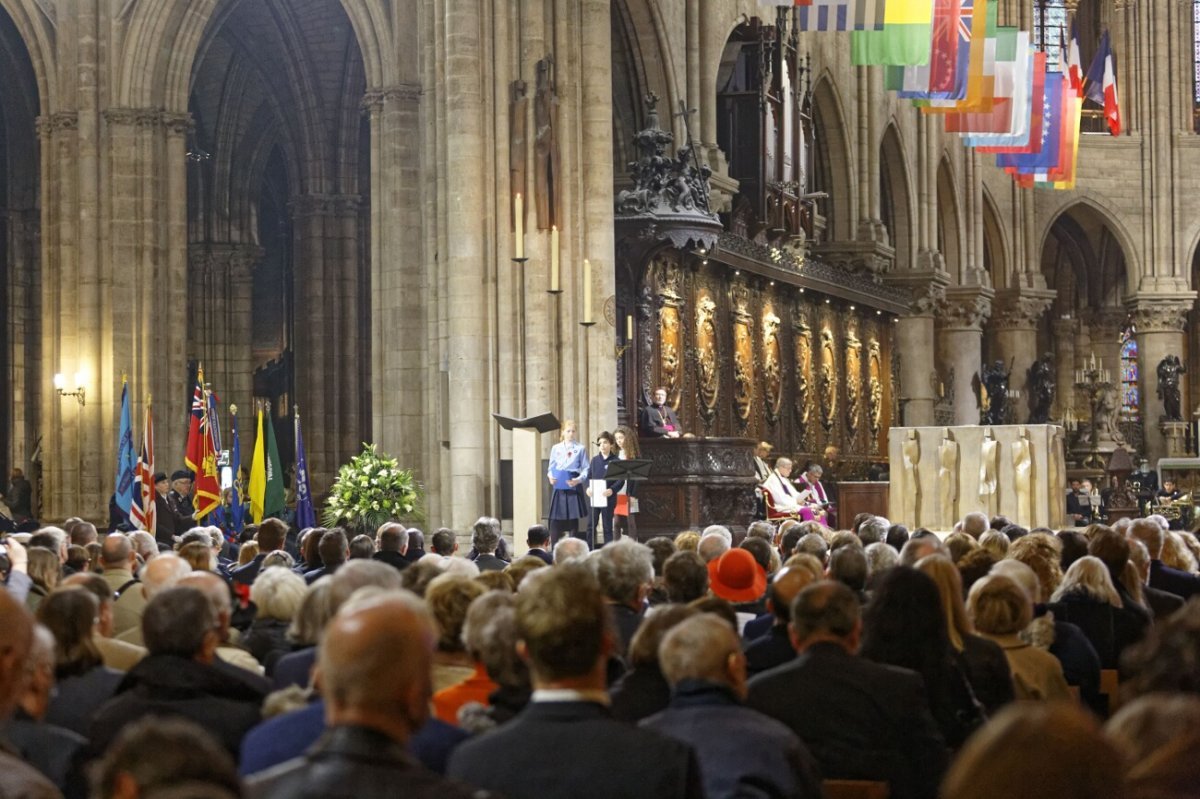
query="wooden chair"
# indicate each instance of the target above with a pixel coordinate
(855, 789)
(774, 515)
(1109, 684)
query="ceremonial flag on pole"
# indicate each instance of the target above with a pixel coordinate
(1026, 113)
(258, 474)
(1012, 62)
(126, 462)
(1074, 61)
(143, 515)
(1101, 84)
(305, 515)
(201, 456)
(893, 32)
(275, 491)
(235, 457)
(213, 416)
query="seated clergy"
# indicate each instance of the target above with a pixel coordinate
(785, 498)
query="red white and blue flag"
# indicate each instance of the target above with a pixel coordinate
(1100, 85)
(141, 512)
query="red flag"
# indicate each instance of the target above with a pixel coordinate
(943, 59)
(141, 512)
(201, 455)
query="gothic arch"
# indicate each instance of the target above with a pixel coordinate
(37, 35)
(833, 159)
(639, 24)
(996, 246)
(1083, 240)
(950, 238)
(897, 201)
(1099, 209)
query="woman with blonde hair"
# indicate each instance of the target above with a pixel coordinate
(986, 667)
(567, 473)
(1001, 610)
(1088, 599)
(627, 502)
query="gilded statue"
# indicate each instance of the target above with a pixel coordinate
(772, 369)
(853, 381)
(706, 361)
(827, 383)
(743, 388)
(803, 371)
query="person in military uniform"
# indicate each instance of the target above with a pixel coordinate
(180, 495)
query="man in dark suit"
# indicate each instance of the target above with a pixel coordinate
(1163, 577)
(753, 755)
(774, 648)
(485, 537)
(625, 570)
(538, 539)
(563, 633)
(271, 536)
(391, 540)
(659, 419)
(861, 720)
(1161, 603)
(374, 670)
(168, 522)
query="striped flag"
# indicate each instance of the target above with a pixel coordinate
(125, 459)
(1101, 84)
(826, 15)
(1074, 61)
(893, 32)
(142, 511)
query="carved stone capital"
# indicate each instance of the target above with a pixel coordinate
(869, 258)
(177, 124)
(1159, 314)
(139, 117)
(965, 309)
(58, 121)
(374, 99)
(1021, 309)
(1106, 323)
(927, 289)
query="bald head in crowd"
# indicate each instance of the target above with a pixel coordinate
(374, 665)
(789, 581)
(216, 591)
(163, 572)
(116, 552)
(975, 524)
(704, 647)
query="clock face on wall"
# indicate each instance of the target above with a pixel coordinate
(610, 309)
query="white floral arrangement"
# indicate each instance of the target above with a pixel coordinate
(369, 490)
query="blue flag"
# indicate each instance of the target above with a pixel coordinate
(305, 515)
(1047, 156)
(235, 460)
(125, 457)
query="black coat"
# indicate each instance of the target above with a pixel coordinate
(751, 756)
(1173, 581)
(1162, 603)
(988, 672)
(77, 699)
(1109, 629)
(861, 720)
(490, 563)
(393, 559)
(246, 575)
(655, 419)
(355, 762)
(771, 650)
(169, 685)
(642, 691)
(576, 750)
(267, 640)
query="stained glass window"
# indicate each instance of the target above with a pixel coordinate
(1130, 396)
(1050, 27)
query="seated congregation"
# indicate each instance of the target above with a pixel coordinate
(798, 661)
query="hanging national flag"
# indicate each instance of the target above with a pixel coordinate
(1046, 156)
(126, 462)
(201, 456)
(977, 26)
(897, 32)
(1027, 123)
(305, 515)
(826, 15)
(1101, 84)
(1074, 61)
(235, 458)
(193, 456)
(258, 474)
(937, 77)
(1012, 64)
(142, 512)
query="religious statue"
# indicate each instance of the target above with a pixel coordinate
(994, 380)
(1169, 370)
(545, 166)
(1105, 409)
(1041, 389)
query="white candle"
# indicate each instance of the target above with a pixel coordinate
(519, 227)
(629, 327)
(587, 291)
(554, 274)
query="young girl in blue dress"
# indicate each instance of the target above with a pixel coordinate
(567, 505)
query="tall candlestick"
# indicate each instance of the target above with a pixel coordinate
(629, 327)
(519, 227)
(554, 274)
(587, 292)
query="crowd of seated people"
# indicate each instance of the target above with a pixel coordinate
(989, 661)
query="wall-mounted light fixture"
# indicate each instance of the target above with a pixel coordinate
(60, 383)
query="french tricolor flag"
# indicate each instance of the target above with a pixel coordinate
(1101, 84)
(1075, 61)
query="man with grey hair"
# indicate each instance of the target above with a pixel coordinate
(1163, 577)
(862, 720)
(783, 497)
(160, 573)
(374, 670)
(216, 591)
(144, 545)
(485, 537)
(712, 546)
(391, 543)
(54, 539)
(702, 660)
(625, 570)
(919, 547)
(974, 524)
(880, 557)
(570, 549)
(1162, 603)
(873, 530)
(718, 529)
(761, 529)
(815, 545)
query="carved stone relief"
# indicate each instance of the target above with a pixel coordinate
(743, 353)
(708, 372)
(772, 368)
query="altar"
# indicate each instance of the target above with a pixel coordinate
(939, 474)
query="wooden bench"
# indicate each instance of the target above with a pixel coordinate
(855, 789)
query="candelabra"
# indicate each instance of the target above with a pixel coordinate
(1096, 383)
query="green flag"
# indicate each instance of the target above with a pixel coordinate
(273, 494)
(905, 36)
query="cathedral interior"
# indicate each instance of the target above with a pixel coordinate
(396, 217)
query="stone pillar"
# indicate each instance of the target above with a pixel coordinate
(1014, 324)
(960, 347)
(1159, 323)
(1066, 333)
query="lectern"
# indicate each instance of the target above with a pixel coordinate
(528, 481)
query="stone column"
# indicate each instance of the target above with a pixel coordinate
(1159, 322)
(960, 347)
(1066, 334)
(1015, 317)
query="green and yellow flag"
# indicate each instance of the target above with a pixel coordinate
(258, 475)
(900, 33)
(266, 477)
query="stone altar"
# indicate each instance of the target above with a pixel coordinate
(939, 474)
